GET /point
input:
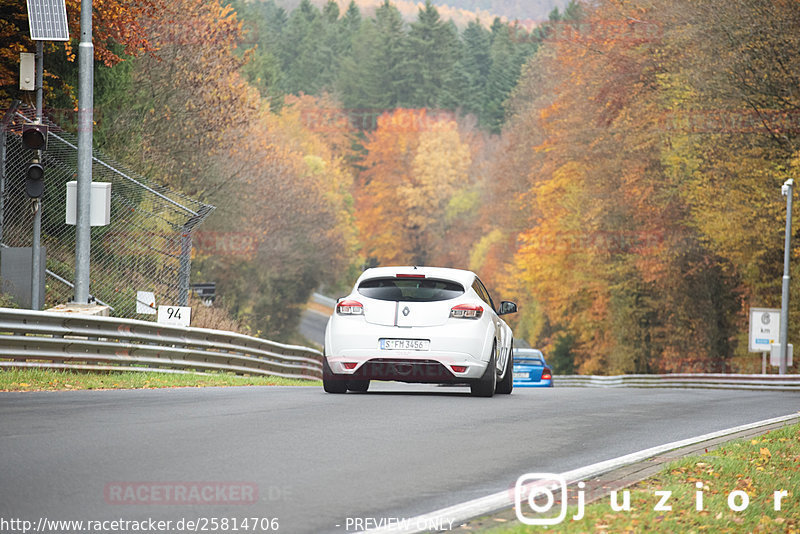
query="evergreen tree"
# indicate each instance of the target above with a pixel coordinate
(475, 64)
(264, 26)
(349, 25)
(352, 17)
(331, 47)
(303, 59)
(359, 81)
(391, 58)
(503, 75)
(331, 12)
(373, 78)
(381, 63)
(497, 28)
(432, 51)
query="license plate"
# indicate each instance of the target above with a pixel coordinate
(405, 344)
(521, 375)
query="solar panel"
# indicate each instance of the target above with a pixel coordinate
(48, 20)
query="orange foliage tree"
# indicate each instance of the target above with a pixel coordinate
(118, 30)
(411, 194)
(610, 257)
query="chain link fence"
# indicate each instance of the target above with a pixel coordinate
(146, 247)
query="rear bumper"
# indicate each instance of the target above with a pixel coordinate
(451, 346)
(527, 375)
(539, 384)
(420, 371)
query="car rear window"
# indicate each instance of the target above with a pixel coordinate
(410, 289)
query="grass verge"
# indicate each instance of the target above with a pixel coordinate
(53, 380)
(756, 468)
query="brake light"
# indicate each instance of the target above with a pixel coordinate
(547, 374)
(466, 311)
(350, 307)
(410, 276)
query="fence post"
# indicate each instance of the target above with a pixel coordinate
(185, 267)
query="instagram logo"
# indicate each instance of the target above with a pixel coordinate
(539, 490)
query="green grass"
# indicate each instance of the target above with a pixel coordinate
(55, 380)
(758, 467)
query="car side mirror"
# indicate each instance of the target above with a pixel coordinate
(507, 307)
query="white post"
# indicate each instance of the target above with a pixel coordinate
(786, 190)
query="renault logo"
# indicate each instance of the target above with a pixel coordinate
(406, 311)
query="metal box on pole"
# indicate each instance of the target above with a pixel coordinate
(100, 211)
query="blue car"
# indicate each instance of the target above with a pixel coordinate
(531, 370)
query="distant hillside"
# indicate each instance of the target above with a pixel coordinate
(460, 11)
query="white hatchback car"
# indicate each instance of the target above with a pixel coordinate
(419, 324)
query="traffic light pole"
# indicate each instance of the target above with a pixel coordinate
(83, 234)
(36, 203)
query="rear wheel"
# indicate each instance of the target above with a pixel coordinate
(485, 385)
(331, 382)
(360, 386)
(506, 384)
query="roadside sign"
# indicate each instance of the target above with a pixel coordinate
(765, 328)
(174, 315)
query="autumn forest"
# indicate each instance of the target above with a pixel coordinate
(615, 169)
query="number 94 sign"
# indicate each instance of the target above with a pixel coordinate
(174, 315)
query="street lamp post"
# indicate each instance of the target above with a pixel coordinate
(83, 234)
(786, 191)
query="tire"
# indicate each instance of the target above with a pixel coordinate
(506, 384)
(485, 385)
(331, 382)
(360, 386)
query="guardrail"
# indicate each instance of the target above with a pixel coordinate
(683, 380)
(319, 298)
(64, 340)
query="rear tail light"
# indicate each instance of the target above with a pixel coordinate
(350, 307)
(459, 368)
(547, 374)
(350, 365)
(466, 311)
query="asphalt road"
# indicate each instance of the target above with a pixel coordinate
(317, 459)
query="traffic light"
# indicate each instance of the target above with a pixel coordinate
(34, 136)
(34, 180)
